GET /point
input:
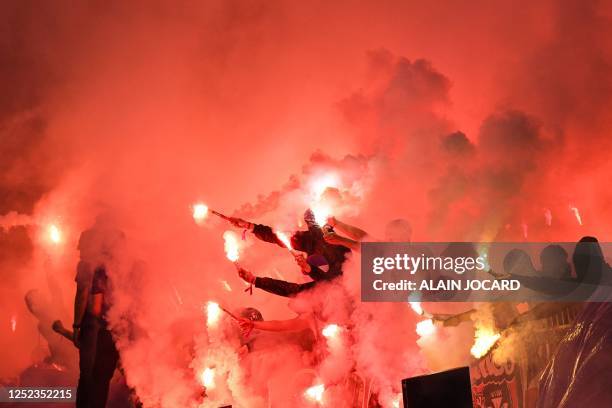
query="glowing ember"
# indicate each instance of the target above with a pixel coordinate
(425, 328)
(331, 330)
(416, 306)
(55, 234)
(484, 339)
(208, 378)
(576, 214)
(315, 393)
(13, 323)
(231, 245)
(200, 212)
(213, 312)
(284, 239)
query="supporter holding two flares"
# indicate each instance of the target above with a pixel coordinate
(324, 261)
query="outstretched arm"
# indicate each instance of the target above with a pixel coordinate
(352, 232)
(299, 323)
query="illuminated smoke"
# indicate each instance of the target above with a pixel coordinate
(200, 212)
(231, 245)
(13, 323)
(14, 219)
(484, 339)
(226, 285)
(576, 213)
(321, 212)
(315, 393)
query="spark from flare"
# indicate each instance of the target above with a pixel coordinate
(484, 339)
(208, 378)
(284, 238)
(55, 235)
(331, 330)
(576, 214)
(226, 285)
(231, 245)
(213, 313)
(13, 323)
(200, 212)
(425, 328)
(315, 393)
(548, 217)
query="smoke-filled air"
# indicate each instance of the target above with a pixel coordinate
(147, 123)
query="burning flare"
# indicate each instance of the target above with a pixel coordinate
(200, 212)
(484, 339)
(425, 328)
(331, 330)
(576, 214)
(284, 238)
(231, 245)
(213, 313)
(208, 378)
(13, 323)
(416, 306)
(321, 213)
(315, 393)
(55, 235)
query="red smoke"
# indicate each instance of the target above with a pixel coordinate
(472, 121)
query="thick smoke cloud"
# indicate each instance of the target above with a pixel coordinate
(473, 122)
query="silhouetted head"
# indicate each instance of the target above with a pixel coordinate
(518, 262)
(251, 313)
(554, 262)
(398, 230)
(588, 260)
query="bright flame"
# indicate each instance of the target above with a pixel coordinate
(200, 212)
(55, 234)
(397, 401)
(321, 213)
(315, 393)
(331, 330)
(484, 339)
(576, 214)
(208, 378)
(231, 245)
(213, 312)
(416, 306)
(284, 239)
(425, 328)
(548, 216)
(13, 323)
